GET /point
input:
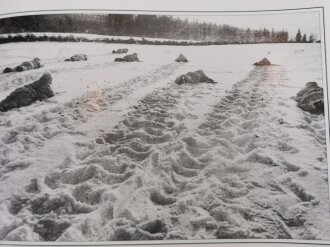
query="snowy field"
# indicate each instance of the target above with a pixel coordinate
(123, 153)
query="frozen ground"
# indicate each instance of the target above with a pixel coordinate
(122, 153)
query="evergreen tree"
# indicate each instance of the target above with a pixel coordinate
(159, 26)
(298, 36)
(311, 38)
(304, 39)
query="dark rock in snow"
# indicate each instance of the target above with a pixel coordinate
(128, 58)
(77, 57)
(26, 95)
(120, 51)
(310, 98)
(27, 65)
(181, 58)
(193, 77)
(263, 62)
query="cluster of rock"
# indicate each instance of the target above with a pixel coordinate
(77, 57)
(311, 99)
(26, 95)
(27, 65)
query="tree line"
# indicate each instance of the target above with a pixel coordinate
(303, 38)
(149, 26)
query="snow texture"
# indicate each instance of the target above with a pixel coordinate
(121, 152)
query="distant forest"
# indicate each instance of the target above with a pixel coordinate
(148, 26)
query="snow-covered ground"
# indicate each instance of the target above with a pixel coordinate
(122, 153)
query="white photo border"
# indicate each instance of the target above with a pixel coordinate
(323, 14)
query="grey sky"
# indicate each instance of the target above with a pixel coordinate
(307, 22)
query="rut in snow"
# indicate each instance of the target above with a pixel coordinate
(151, 177)
(64, 119)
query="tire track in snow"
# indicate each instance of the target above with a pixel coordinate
(244, 190)
(102, 169)
(153, 178)
(64, 119)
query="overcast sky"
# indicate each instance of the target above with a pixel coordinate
(307, 22)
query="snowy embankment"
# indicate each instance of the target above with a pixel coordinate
(122, 153)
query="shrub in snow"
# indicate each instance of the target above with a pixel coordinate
(24, 96)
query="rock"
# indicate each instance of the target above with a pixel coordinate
(120, 51)
(193, 77)
(263, 62)
(181, 58)
(128, 58)
(310, 98)
(27, 65)
(77, 57)
(26, 95)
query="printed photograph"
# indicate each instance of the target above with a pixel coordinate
(163, 126)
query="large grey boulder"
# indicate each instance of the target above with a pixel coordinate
(193, 78)
(311, 98)
(26, 95)
(128, 58)
(27, 65)
(77, 57)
